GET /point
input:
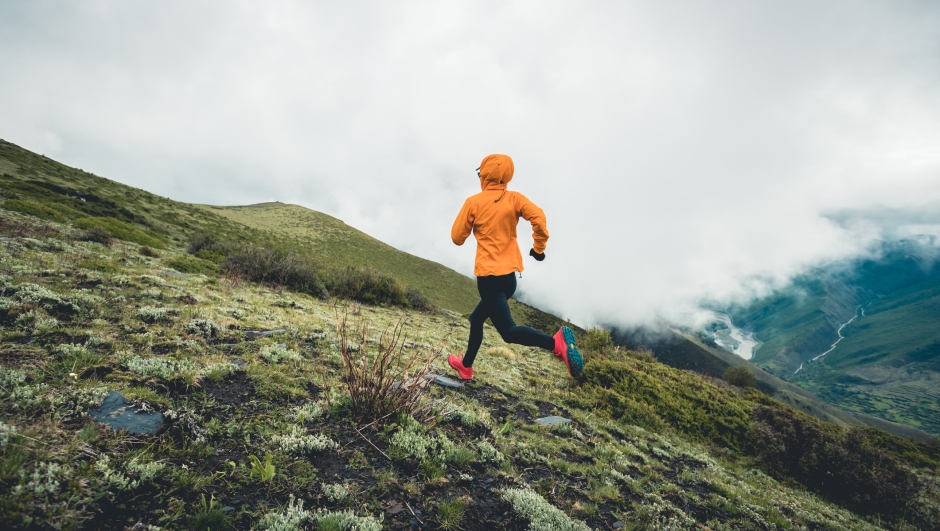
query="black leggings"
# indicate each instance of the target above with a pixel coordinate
(495, 293)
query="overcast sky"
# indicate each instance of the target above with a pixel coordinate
(680, 149)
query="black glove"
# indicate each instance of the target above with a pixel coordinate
(537, 256)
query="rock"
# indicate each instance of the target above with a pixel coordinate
(239, 363)
(552, 421)
(117, 413)
(252, 334)
(618, 524)
(444, 381)
(228, 509)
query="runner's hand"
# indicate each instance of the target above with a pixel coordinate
(537, 256)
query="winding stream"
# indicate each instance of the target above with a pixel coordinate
(839, 331)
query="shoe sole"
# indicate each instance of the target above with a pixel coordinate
(575, 361)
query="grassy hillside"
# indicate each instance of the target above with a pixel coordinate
(263, 432)
(686, 350)
(43, 187)
(337, 244)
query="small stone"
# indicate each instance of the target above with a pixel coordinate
(239, 363)
(618, 524)
(552, 421)
(119, 415)
(227, 509)
(445, 381)
(253, 334)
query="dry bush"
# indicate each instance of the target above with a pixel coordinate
(381, 382)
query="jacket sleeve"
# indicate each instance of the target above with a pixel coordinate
(463, 225)
(534, 215)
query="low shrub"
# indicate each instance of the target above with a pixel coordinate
(120, 229)
(193, 265)
(417, 300)
(96, 264)
(259, 264)
(740, 376)
(34, 209)
(94, 234)
(844, 467)
(655, 396)
(207, 248)
(368, 286)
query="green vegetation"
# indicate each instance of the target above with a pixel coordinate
(332, 395)
(886, 365)
(740, 376)
(119, 229)
(648, 444)
(34, 209)
(193, 265)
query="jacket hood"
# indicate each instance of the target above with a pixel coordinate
(496, 172)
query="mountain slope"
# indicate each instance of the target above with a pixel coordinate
(266, 430)
(261, 433)
(882, 315)
(686, 350)
(333, 242)
(35, 179)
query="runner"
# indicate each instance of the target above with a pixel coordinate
(492, 216)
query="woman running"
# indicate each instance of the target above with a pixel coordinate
(492, 216)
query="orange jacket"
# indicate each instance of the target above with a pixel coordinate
(492, 216)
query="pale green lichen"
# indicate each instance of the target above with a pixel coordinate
(335, 492)
(298, 441)
(7, 434)
(306, 412)
(277, 353)
(542, 516)
(291, 517)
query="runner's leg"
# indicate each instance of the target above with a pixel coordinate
(500, 314)
(477, 318)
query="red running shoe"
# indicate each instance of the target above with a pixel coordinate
(566, 348)
(466, 373)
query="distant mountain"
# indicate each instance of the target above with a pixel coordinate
(877, 322)
(684, 349)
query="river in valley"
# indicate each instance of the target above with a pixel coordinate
(732, 338)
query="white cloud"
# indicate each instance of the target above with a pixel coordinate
(680, 150)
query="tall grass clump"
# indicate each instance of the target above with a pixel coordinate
(267, 266)
(383, 383)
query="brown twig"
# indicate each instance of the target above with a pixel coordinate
(370, 443)
(420, 521)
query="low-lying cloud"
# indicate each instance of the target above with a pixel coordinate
(680, 150)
